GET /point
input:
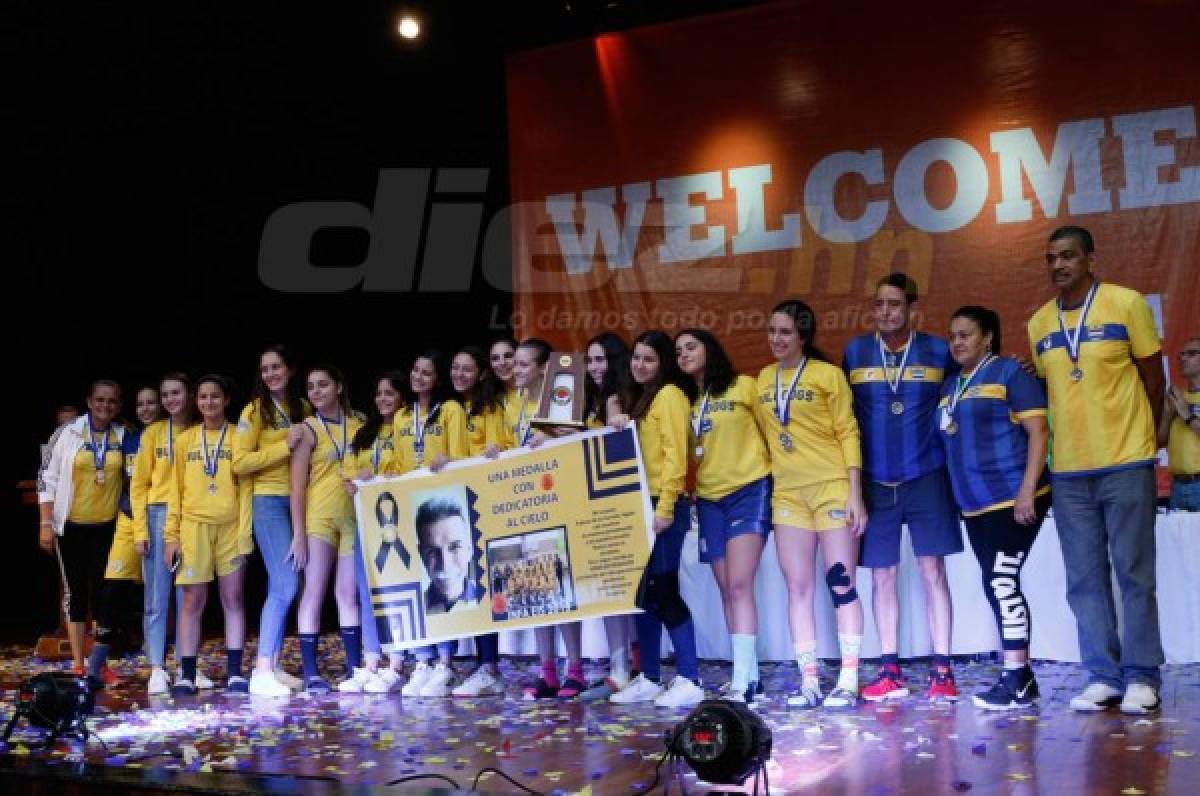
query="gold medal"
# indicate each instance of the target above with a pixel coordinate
(212, 487)
(897, 407)
(952, 428)
(1077, 375)
(100, 477)
(699, 451)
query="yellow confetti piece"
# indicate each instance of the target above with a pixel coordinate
(1183, 753)
(1016, 747)
(436, 761)
(1132, 791)
(1019, 776)
(586, 790)
(20, 750)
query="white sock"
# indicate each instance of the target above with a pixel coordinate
(850, 646)
(744, 659)
(806, 660)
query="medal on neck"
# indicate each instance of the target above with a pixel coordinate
(212, 460)
(377, 455)
(948, 423)
(1074, 340)
(338, 453)
(99, 450)
(282, 420)
(524, 427)
(698, 425)
(419, 429)
(783, 403)
(897, 405)
(170, 440)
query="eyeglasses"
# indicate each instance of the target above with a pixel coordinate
(1191, 352)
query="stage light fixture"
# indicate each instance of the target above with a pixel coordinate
(408, 27)
(56, 701)
(723, 742)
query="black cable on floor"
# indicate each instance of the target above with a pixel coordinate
(489, 769)
(416, 777)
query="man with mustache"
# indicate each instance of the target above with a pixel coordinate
(1097, 349)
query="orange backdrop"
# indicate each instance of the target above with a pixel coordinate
(946, 143)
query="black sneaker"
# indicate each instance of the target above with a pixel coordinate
(755, 692)
(1015, 689)
(540, 690)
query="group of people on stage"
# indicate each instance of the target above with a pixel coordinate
(911, 429)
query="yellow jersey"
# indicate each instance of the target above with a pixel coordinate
(663, 437)
(1100, 416)
(485, 428)
(445, 435)
(519, 411)
(93, 502)
(381, 458)
(821, 440)
(325, 497)
(727, 444)
(197, 495)
(260, 450)
(153, 469)
(1183, 444)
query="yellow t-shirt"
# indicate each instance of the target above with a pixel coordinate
(445, 435)
(260, 450)
(485, 428)
(518, 411)
(92, 502)
(1103, 422)
(1183, 444)
(663, 438)
(821, 425)
(734, 451)
(153, 469)
(325, 497)
(195, 495)
(381, 458)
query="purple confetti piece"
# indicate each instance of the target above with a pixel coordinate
(979, 749)
(962, 786)
(531, 772)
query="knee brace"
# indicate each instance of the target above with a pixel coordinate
(837, 577)
(671, 608)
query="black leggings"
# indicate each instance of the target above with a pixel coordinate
(1001, 546)
(83, 551)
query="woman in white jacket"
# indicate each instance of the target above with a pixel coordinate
(79, 487)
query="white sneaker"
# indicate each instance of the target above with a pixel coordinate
(639, 689)
(438, 684)
(356, 683)
(416, 681)
(202, 681)
(1097, 696)
(263, 683)
(288, 680)
(682, 693)
(160, 682)
(1139, 699)
(385, 681)
(480, 683)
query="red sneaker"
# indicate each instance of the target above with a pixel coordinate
(888, 684)
(109, 678)
(941, 686)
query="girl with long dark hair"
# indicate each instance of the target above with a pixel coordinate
(654, 398)
(733, 492)
(268, 430)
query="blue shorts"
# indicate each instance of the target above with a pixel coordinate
(746, 509)
(925, 504)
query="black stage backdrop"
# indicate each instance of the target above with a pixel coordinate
(148, 143)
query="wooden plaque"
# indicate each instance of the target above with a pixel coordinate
(562, 402)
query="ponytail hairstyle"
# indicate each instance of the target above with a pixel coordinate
(261, 396)
(805, 321)
(369, 431)
(719, 374)
(637, 398)
(596, 395)
(488, 392)
(338, 379)
(987, 321)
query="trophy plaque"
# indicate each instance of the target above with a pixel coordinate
(562, 401)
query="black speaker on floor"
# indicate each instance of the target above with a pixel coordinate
(56, 701)
(723, 742)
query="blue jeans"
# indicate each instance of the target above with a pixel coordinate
(1185, 497)
(156, 606)
(662, 604)
(1106, 523)
(273, 535)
